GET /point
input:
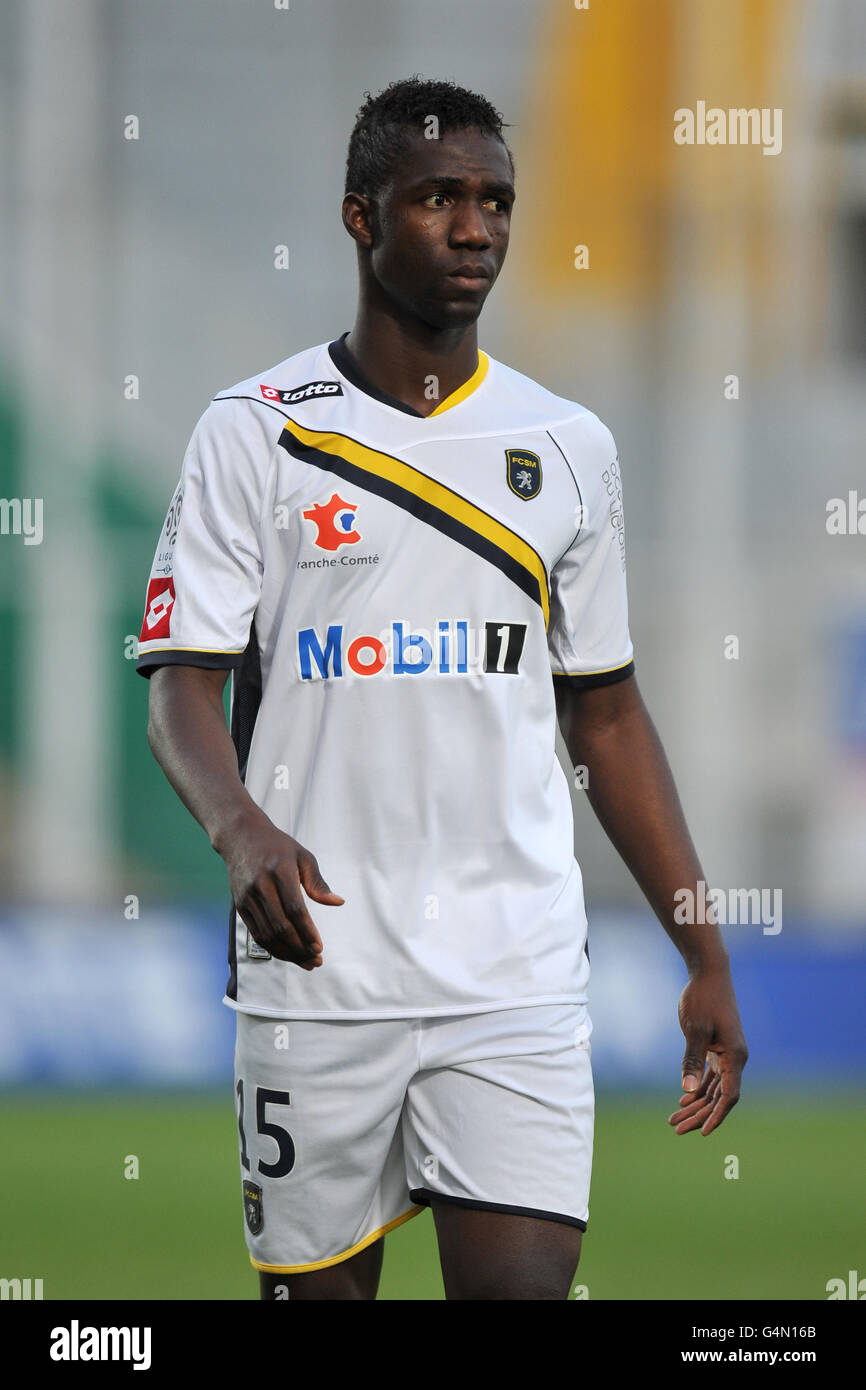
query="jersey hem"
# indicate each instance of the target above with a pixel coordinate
(443, 1011)
(587, 680)
(207, 658)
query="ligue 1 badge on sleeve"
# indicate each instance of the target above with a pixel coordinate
(253, 1206)
(523, 471)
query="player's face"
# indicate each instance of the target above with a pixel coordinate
(442, 227)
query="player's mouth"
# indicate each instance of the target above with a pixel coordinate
(470, 277)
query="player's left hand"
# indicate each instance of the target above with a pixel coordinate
(715, 1053)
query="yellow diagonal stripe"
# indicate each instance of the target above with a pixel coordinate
(437, 494)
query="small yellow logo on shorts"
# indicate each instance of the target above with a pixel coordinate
(253, 1206)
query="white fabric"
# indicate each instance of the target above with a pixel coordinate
(379, 1110)
(433, 799)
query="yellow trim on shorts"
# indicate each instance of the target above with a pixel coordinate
(337, 1259)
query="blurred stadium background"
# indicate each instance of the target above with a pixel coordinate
(150, 261)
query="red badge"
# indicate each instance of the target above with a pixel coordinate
(335, 523)
(158, 606)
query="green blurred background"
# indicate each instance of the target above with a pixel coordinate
(665, 1223)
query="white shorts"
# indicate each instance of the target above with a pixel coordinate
(347, 1129)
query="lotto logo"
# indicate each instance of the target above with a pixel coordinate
(301, 393)
(452, 650)
(158, 606)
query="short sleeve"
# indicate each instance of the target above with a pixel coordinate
(588, 634)
(206, 577)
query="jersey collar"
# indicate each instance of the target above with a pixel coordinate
(343, 362)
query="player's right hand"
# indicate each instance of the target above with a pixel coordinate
(267, 871)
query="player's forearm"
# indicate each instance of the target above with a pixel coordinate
(188, 736)
(632, 792)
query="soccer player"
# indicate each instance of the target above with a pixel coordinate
(410, 557)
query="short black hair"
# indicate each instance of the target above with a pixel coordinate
(384, 123)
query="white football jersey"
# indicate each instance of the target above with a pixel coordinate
(395, 595)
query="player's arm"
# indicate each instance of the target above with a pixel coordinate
(608, 730)
(267, 869)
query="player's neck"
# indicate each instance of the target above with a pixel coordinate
(410, 361)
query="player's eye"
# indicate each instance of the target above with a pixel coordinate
(436, 200)
(498, 204)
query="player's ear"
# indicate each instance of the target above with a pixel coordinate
(358, 218)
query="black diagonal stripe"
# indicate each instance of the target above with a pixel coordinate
(418, 507)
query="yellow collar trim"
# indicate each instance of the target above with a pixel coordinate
(466, 389)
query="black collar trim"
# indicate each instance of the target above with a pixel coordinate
(345, 364)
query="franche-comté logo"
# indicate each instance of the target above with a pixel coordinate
(334, 522)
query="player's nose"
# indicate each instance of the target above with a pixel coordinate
(469, 227)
